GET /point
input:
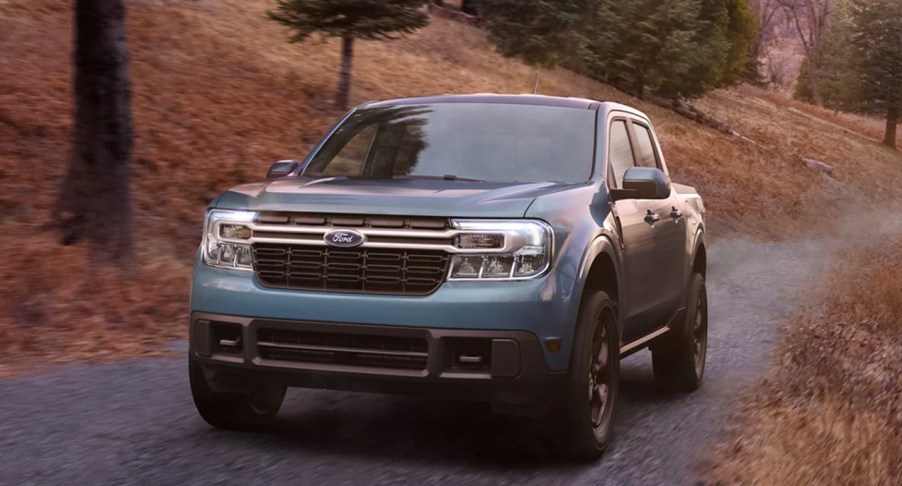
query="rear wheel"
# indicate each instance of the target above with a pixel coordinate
(679, 359)
(234, 410)
(583, 416)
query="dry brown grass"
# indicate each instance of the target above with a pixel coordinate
(219, 95)
(832, 412)
(56, 308)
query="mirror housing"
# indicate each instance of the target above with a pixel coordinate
(643, 183)
(281, 169)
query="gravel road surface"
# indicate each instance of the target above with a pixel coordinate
(134, 422)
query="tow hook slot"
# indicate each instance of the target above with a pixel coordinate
(469, 359)
(467, 355)
(231, 343)
(227, 338)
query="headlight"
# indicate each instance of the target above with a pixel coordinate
(223, 234)
(522, 250)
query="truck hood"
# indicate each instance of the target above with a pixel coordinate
(413, 197)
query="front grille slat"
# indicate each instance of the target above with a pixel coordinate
(371, 351)
(353, 220)
(335, 349)
(382, 271)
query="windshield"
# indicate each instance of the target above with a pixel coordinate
(478, 141)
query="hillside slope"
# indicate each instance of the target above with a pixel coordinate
(219, 95)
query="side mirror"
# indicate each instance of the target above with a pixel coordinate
(281, 169)
(643, 183)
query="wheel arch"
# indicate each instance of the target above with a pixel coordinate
(699, 260)
(601, 271)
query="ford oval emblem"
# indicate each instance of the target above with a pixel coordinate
(344, 238)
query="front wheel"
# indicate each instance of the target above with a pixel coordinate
(583, 416)
(232, 410)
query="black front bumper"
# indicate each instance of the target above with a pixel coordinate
(506, 368)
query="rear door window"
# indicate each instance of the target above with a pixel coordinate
(646, 146)
(620, 153)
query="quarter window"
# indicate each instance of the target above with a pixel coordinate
(621, 152)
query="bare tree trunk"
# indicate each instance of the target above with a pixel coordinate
(892, 122)
(344, 81)
(95, 201)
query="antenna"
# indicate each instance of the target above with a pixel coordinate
(535, 87)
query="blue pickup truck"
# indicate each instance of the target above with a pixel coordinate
(510, 249)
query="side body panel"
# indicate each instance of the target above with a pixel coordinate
(656, 239)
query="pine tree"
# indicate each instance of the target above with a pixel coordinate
(741, 33)
(876, 42)
(837, 84)
(861, 62)
(646, 44)
(350, 20)
(673, 48)
(540, 32)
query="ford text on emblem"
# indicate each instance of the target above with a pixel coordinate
(344, 238)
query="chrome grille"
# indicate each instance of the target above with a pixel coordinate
(367, 270)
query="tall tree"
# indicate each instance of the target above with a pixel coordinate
(95, 201)
(861, 67)
(726, 32)
(810, 19)
(766, 16)
(349, 20)
(742, 30)
(673, 48)
(876, 41)
(646, 44)
(541, 32)
(836, 79)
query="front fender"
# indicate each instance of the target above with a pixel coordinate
(602, 245)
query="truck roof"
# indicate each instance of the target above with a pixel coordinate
(523, 99)
(519, 99)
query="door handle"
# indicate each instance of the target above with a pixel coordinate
(676, 214)
(651, 218)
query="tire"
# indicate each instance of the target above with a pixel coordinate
(230, 410)
(583, 422)
(679, 359)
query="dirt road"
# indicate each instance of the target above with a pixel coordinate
(134, 422)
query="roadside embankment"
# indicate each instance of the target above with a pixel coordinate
(831, 410)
